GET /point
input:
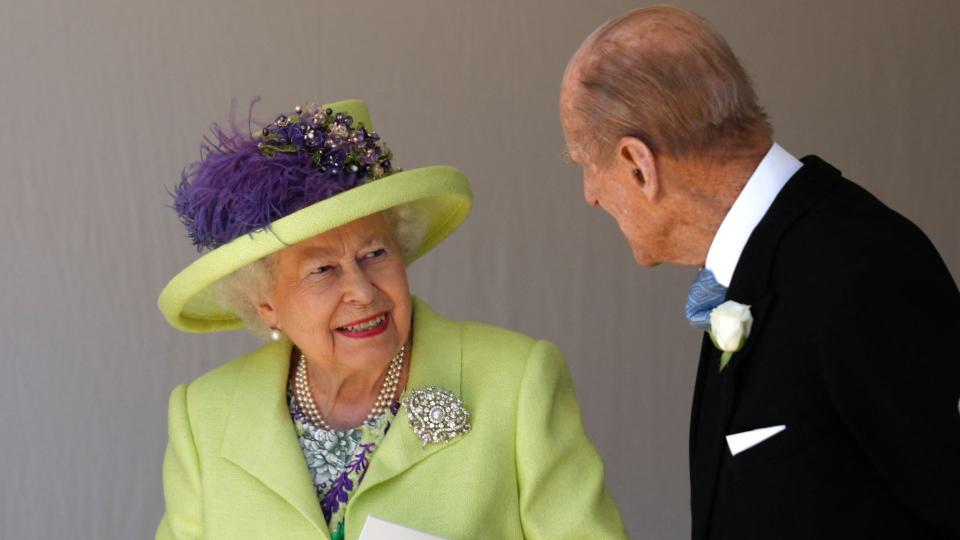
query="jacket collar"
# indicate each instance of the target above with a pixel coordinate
(810, 184)
(750, 285)
(260, 436)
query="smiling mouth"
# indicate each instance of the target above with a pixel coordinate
(366, 327)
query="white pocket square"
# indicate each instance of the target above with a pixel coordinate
(738, 442)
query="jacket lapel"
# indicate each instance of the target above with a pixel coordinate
(435, 361)
(260, 437)
(715, 392)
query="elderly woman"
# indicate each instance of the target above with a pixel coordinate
(363, 402)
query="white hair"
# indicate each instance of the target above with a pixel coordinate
(243, 290)
(685, 98)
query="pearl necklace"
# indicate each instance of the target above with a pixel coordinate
(301, 389)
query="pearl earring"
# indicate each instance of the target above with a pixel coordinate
(275, 334)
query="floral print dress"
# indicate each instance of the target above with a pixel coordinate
(338, 460)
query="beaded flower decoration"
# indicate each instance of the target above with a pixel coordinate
(335, 145)
(243, 181)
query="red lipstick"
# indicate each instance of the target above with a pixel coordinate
(367, 330)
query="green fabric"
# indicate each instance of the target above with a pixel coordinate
(234, 469)
(441, 194)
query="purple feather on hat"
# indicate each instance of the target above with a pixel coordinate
(242, 182)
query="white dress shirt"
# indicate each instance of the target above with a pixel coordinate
(751, 205)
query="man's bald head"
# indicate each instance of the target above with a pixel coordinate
(665, 76)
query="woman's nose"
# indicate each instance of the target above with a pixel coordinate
(357, 288)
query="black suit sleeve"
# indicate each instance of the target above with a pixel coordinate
(891, 367)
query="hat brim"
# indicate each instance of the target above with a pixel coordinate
(439, 193)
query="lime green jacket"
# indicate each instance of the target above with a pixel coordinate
(234, 469)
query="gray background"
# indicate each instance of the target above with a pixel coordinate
(102, 103)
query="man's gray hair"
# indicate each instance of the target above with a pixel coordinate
(663, 75)
(243, 290)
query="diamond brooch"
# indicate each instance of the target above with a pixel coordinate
(436, 415)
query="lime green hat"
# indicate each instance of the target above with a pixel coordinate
(366, 185)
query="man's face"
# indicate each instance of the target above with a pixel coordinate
(611, 184)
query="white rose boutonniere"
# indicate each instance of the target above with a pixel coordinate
(730, 324)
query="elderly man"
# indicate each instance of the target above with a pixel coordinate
(832, 410)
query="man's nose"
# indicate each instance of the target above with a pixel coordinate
(588, 194)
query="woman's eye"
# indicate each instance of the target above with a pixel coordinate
(322, 270)
(375, 254)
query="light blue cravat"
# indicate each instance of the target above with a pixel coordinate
(705, 294)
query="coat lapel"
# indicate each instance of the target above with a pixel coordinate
(715, 392)
(435, 361)
(260, 437)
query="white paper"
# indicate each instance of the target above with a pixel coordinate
(738, 442)
(381, 529)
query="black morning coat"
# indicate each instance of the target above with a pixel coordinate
(853, 349)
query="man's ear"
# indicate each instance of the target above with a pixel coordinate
(635, 158)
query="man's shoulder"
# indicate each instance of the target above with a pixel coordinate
(850, 228)
(851, 214)
(849, 244)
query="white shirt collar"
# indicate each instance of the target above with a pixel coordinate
(773, 172)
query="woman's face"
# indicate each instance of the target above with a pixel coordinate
(342, 297)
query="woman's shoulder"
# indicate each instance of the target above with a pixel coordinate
(219, 385)
(503, 340)
(501, 369)
(493, 346)
(492, 352)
